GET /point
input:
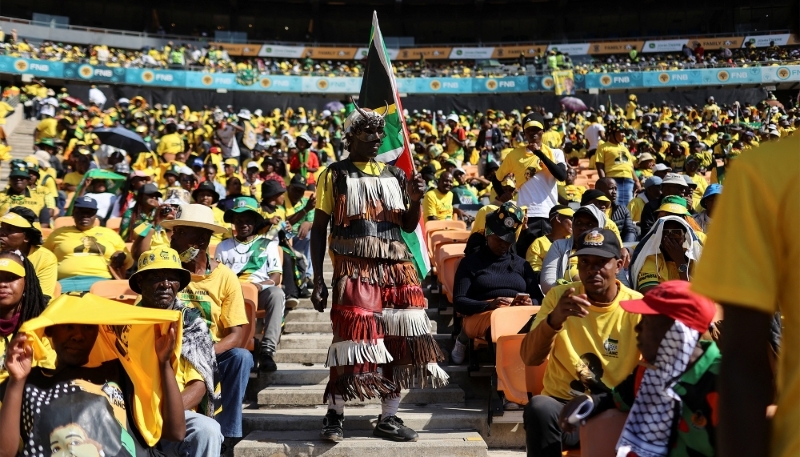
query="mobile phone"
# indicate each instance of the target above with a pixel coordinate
(521, 297)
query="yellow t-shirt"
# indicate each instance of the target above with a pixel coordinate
(522, 163)
(617, 160)
(34, 201)
(171, 143)
(697, 195)
(438, 205)
(538, 251)
(186, 373)
(753, 266)
(325, 185)
(219, 298)
(635, 207)
(480, 218)
(45, 264)
(86, 253)
(649, 275)
(46, 129)
(73, 178)
(605, 336)
(219, 219)
(552, 138)
(571, 193)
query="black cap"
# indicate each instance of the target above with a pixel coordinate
(533, 120)
(271, 187)
(504, 222)
(599, 242)
(150, 189)
(298, 181)
(592, 194)
(85, 202)
(207, 186)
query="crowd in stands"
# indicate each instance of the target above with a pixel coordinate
(581, 212)
(213, 58)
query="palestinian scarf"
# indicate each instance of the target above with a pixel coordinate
(198, 349)
(650, 422)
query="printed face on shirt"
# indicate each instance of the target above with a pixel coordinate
(71, 440)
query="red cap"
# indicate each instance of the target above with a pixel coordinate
(674, 299)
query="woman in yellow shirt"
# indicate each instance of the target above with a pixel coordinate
(18, 233)
(561, 221)
(613, 160)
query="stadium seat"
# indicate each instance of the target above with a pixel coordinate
(56, 291)
(432, 227)
(443, 237)
(250, 292)
(509, 320)
(516, 380)
(114, 223)
(447, 259)
(45, 232)
(114, 289)
(471, 170)
(66, 221)
(600, 434)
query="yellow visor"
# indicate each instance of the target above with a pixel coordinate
(533, 124)
(674, 209)
(12, 267)
(16, 220)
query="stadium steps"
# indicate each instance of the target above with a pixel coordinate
(21, 142)
(286, 414)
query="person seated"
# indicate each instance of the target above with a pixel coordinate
(256, 259)
(569, 191)
(438, 202)
(709, 200)
(18, 194)
(97, 190)
(18, 233)
(206, 194)
(158, 279)
(463, 192)
(216, 292)
(589, 339)
(561, 223)
(492, 277)
(152, 234)
(652, 191)
(21, 299)
(44, 187)
(671, 184)
(300, 217)
(75, 407)
(676, 378)
(670, 251)
(86, 253)
(559, 265)
(599, 199)
(678, 206)
(273, 196)
(143, 211)
(617, 213)
(233, 189)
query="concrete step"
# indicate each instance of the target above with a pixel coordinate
(305, 340)
(313, 348)
(309, 395)
(321, 326)
(308, 444)
(430, 417)
(299, 374)
(311, 315)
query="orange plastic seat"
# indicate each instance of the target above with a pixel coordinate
(45, 232)
(509, 320)
(114, 289)
(515, 379)
(448, 259)
(471, 170)
(432, 227)
(250, 308)
(600, 434)
(56, 291)
(66, 221)
(443, 237)
(114, 223)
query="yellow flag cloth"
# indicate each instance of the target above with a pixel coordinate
(126, 333)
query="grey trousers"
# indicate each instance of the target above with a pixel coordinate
(272, 300)
(203, 438)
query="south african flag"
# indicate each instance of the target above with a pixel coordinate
(379, 89)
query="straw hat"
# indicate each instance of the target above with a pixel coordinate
(195, 215)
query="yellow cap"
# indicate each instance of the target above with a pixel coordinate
(603, 198)
(533, 123)
(674, 208)
(12, 267)
(569, 212)
(161, 258)
(233, 162)
(16, 220)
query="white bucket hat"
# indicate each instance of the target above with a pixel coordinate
(195, 215)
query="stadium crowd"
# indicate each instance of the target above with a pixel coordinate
(583, 212)
(213, 58)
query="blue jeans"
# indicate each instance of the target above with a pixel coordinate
(234, 372)
(303, 246)
(203, 438)
(624, 191)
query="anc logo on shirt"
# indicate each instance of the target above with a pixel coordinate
(611, 347)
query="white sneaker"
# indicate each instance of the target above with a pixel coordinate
(459, 352)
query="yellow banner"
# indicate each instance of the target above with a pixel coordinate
(428, 53)
(615, 47)
(332, 53)
(510, 52)
(564, 82)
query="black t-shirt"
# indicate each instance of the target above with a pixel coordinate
(79, 412)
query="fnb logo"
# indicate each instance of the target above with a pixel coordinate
(622, 79)
(450, 85)
(103, 73)
(510, 84)
(163, 77)
(39, 67)
(680, 77)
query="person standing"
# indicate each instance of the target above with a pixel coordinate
(378, 310)
(536, 169)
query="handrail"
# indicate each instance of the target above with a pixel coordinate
(318, 44)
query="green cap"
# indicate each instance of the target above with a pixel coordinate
(19, 169)
(674, 205)
(240, 205)
(46, 142)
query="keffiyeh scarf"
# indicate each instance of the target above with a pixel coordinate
(650, 422)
